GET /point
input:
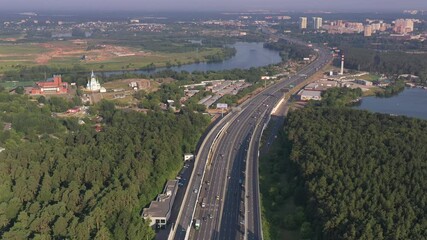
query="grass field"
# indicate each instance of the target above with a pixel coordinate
(24, 49)
(160, 60)
(10, 85)
(370, 77)
(104, 58)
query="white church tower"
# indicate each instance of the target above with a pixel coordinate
(93, 85)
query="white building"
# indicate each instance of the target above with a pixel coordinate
(303, 22)
(306, 95)
(317, 22)
(93, 84)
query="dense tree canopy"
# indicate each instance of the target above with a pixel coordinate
(363, 174)
(72, 182)
(289, 50)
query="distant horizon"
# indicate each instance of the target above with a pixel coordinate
(214, 6)
(260, 11)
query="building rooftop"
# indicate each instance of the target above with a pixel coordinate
(162, 206)
(312, 86)
(310, 93)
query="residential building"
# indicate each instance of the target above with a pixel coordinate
(160, 210)
(375, 27)
(317, 22)
(303, 22)
(367, 31)
(383, 27)
(403, 26)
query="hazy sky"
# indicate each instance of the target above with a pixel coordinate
(231, 5)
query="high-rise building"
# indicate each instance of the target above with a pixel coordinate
(383, 27)
(367, 31)
(403, 26)
(409, 25)
(317, 22)
(303, 22)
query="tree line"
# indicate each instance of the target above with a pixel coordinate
(387, 62)
(289, 50)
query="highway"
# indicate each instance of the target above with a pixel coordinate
(225, 176)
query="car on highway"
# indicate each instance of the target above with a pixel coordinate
(197, 224)
(217, 197)
(210, 215)
(195, 190)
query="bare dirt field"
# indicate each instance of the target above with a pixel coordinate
(88, 52)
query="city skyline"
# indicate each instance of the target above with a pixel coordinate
(219, 5)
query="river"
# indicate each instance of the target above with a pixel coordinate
(412, 102)
(247, 55)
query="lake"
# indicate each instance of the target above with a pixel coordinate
(412, 102)
(247, 55)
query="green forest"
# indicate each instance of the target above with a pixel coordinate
(341, 173)
(289, 50)
(352, 175)
(378, 54)
(62, 180)
(388, 62)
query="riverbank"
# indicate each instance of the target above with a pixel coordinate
(247, 55)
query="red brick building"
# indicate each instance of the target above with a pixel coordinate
(51, 86)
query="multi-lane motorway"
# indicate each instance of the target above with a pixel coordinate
(223, 191)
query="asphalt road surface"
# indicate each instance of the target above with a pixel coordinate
(225, 176)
